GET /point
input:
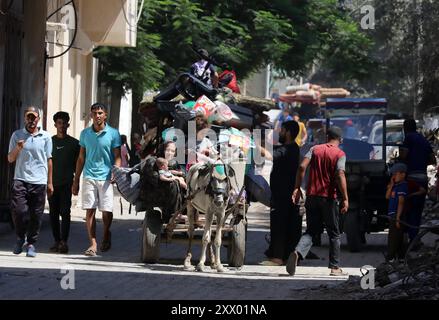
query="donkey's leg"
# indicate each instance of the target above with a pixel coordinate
(190, 214)
(212, 256)
(206, 240)
(220, 217)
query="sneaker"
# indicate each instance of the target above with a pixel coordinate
(338, 272)
(63, 247)
(30, 252)
(19, 246)
(292, 263)
(54, 248)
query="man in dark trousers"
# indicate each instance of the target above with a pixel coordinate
(285, 220)
(65, 153)
(417, 153)
(327, 170)
(31, 150)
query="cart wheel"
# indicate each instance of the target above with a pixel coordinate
(352, 229)
(152, 227)
(237, 241)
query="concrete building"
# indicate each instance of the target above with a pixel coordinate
(265, 82)
(46, 60)
(72, 78)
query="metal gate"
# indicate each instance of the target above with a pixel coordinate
(11, 35)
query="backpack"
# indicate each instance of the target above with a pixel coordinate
(128, 182)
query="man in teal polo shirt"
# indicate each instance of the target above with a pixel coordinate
(31, 150)
(100, 150)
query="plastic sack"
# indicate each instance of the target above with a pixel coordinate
(189, 105)
(204, 106)
(221, 113)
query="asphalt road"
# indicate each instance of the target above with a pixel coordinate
(119, 274)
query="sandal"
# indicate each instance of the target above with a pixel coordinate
(106, 244)
(338, 272)
(90, 252)
(270, 263)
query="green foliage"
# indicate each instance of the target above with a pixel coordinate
(406, 42)
(290, 34)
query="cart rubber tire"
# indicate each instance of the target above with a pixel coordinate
(150, 247)
(352, 230)
(236, 247)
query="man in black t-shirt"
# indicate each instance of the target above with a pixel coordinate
(285, 220)
(64, 156)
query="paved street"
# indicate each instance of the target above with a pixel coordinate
(118, 274)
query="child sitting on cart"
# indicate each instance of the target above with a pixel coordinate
(166, 175)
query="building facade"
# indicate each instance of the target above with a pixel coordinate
(46, 60)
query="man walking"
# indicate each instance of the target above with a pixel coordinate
(31, 149)
(285, 220)
(100, 150)
(327, 170)
(417, 153)
(65, 153)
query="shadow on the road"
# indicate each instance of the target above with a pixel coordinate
(127, 235)
(89, 285)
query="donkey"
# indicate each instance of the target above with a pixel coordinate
(208, 192)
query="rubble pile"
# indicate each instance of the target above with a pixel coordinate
(415, 279)
(431, 211)
(418, 277)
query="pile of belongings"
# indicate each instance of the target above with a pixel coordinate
(213, 110)
(235, 141)
(311, 93)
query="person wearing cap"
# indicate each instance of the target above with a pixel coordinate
(31, 150)
(396, 193)
(402, 195)
(303, 134)
(208, 75)
(327, 171)
(64, 156)
(100, 150)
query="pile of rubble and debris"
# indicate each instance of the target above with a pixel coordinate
(416, 278)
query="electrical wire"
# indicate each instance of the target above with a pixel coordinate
(139, 14)
(74, 33)
(9, 6)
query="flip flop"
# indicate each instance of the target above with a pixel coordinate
(269, 263)
(90, 252)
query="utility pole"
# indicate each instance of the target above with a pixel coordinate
(267, 82)
(417, 30)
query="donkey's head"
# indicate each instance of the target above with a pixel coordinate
(219, 184)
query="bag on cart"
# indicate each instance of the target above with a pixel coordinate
(128, 182)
